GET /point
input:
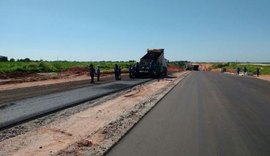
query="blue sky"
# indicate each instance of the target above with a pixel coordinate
(85, 30)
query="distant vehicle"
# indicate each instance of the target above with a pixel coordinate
(191, 66)
(196, 67)
(153, 64)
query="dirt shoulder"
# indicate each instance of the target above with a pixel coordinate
(264, 77)
(92, 130)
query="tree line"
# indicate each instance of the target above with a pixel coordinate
(5, 59)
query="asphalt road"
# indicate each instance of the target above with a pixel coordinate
(17, 111)
(207, 114)
(28, 92)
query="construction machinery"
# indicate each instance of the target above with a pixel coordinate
(192, 66)
(153, 64)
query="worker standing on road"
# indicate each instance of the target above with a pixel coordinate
(130, 71)
(116, 72)
(245, 70)
(119, 73)
(134, 70)
(258, 72)
(238, 70)
(98, 74)
(92, 72)
(137, 69)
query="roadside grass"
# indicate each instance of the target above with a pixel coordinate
(57, 66)
(264, 68)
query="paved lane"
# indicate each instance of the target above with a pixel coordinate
(17, 111)
(207, 114)
(11, 95)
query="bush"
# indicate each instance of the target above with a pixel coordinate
(31, 68)
(221, 65)
(46, 67)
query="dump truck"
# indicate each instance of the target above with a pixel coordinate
(153, 64)
(192, 66)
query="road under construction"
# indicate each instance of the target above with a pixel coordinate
(24, 104)
(186, 113)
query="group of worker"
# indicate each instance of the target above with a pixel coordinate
(93, 72)
(117, 72)
(245, 70)
(134, 71)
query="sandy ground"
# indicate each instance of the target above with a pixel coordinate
(230, 71)
(264, 77)
(205, 66)
(89, 130)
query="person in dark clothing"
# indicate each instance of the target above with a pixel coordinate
(134, 70)
(92, 72)
(130, 71)
(98, 74)
(238, 70)
(258, 72)
(116, 72)
(245, 70)
(119, 73)
(137, 69)
(224, 70)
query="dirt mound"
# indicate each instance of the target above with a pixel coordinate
(19, 77)
(206, 66)
(174, 68)
(16, 75)
(76, 70)
(231, 71)
(70, 71)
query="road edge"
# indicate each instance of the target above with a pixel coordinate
(113, 140)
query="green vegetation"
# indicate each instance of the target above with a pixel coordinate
(179, 63)
(264, 68)
(56, 66)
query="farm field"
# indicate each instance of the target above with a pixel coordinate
(55, 66)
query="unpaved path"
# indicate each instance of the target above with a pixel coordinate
(92, 130)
